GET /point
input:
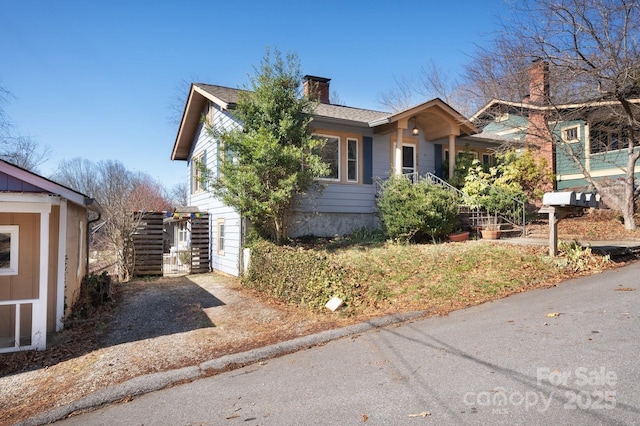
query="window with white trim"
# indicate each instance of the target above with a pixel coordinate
(487, 160)
(197, 173)
(352, 160)
(571, 134)
(220, 239)
(9, 239)
(330, 155)
(603, 139)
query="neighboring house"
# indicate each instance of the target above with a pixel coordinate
(43, 255)
(361, 146)
(590, 130)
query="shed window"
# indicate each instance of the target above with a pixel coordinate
(9, 238)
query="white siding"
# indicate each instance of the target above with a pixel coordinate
(337, 198)
(426, 159)
(381, 157)
(228, 263)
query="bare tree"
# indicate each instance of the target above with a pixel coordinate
(401, 96)
(79, 174)
(179, 194)
(593, 50)
(464, 95)
(120, 192)
(22, 151)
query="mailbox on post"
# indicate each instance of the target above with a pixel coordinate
(559, 204)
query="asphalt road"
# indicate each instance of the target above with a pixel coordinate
(564, 355)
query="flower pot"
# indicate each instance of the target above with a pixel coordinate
(458, 237)
(490, 234)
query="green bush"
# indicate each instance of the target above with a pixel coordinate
(300, 276)
(416, 211)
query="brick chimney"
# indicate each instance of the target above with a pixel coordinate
(316, 88)
(539, 138)
(539, 82)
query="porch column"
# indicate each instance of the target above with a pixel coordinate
(452, 154)
(62, 250)
(397, 164)
(39, 318)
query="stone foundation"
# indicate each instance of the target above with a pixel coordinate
(330, 224)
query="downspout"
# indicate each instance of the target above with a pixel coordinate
(92, 205)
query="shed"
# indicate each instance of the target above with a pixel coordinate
(43, 255)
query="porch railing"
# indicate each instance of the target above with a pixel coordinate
(516, 218)
(14, 342)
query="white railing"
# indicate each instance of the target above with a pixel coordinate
(467, 199)
(17, 331)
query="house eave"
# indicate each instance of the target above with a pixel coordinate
(48, 185)
(191, 117)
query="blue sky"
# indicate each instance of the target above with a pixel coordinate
(103, 79)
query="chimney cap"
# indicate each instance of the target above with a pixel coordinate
(316, 78)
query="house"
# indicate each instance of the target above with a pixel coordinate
(43, 255)
(362, 146)
(571, 137)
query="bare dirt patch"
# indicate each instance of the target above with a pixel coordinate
(158, 325)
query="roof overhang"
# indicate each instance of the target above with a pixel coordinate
(49, 186)
(525, 106)
(435, 118)
(191, 117)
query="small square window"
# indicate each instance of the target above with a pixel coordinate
(9, 238)
(571, 134)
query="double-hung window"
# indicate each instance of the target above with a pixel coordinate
(220, 240)
(352, 160)
(197, 173)
(330, 155)
(341, 154)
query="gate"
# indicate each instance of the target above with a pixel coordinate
(147, 244)
(166, 243)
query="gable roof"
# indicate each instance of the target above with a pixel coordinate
(431, 114)
(15, 179)
(524, 106)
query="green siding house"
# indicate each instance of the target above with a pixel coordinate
(588, 137)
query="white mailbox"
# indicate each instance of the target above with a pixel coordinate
(559, 204)
(570, 198)
(559, 199)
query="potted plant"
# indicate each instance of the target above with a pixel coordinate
(458, 236)
(491, 229)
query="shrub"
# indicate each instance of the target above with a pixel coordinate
(416, 211)
(299, 276)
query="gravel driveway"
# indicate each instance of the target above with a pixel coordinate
(159, 324)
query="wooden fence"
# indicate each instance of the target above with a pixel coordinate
(147, 243)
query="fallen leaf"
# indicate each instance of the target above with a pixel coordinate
(365, 417)
(553, 314)
(423, 414)
(625, 289)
